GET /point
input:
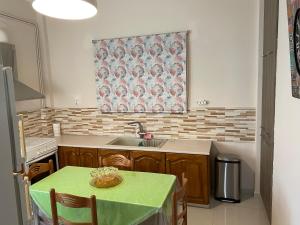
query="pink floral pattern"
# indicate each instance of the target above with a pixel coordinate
(142, 74)
(292, 7)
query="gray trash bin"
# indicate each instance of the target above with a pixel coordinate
(228, 170)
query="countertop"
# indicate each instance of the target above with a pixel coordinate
(201, 147)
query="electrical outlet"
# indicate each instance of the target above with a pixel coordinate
(202, 102)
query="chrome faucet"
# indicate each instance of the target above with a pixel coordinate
(141, 132)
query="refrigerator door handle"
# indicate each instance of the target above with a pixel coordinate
(27, 199)
(22, 136)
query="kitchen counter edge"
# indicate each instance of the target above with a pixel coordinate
(184, 146)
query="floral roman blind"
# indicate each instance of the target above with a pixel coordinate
(142, 74)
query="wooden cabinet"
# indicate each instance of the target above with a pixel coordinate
(68, 156)
(71, 156)
(196, 169)
(144, 161)
(88, 157)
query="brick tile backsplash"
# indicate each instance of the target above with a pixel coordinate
(219, 124)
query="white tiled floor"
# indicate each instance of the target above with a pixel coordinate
(248, 212)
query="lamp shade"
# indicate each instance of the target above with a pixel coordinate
(66, 9)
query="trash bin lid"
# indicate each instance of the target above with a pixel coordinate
(228, 158)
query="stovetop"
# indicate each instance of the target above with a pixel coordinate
(37, 147)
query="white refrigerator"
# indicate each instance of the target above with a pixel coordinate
(14, 195)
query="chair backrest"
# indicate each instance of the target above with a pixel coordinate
(72, 201)
(36, 169)
(119, 161)
(179, 198)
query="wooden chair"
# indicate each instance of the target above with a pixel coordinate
(36, 169)
(35, 172)
(119, 161)
(72, 201)
(180, 201)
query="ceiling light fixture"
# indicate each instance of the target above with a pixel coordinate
(66, 9)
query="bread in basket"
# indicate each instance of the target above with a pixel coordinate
(105, 177)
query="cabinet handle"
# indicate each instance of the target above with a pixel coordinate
(267, 53)
(22, 136)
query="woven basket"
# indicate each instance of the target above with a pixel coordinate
(106, 181)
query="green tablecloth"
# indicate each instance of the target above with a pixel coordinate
(139, 197)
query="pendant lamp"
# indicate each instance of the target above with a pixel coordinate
(66, 9)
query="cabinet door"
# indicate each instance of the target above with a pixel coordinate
(196, 169)
(105, 153)
(149, 161)
(68, 156)
(88, 157)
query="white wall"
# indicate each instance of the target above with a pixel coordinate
(223, 47)
(286, 194)
(23, 37)
(19, 8)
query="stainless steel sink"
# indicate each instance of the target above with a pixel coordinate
(132, 141)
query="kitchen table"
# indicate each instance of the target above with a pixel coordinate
(142, 198)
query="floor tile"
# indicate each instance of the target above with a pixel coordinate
(199, 216)
(249, 212)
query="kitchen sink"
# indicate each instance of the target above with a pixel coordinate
(138, 142)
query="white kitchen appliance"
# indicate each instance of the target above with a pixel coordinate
(40, 148)
(15, 208)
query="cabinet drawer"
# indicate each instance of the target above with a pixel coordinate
(88, 157)
(68, 156)
(73, 156)
(144, 161)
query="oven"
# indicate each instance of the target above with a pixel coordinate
(40, 150)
